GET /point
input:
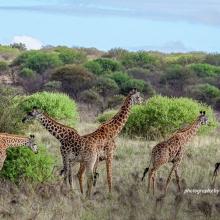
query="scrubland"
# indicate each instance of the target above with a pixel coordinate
(129, 200)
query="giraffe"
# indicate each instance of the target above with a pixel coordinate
(100, 143)
(215, 173)
(64, 134)
(172, 150)
(12, 140)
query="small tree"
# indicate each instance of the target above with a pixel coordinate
(70, 55)
(74, 79)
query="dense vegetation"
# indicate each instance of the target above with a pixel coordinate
(160, 116)
(89, 74)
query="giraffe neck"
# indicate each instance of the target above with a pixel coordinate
(190, 131)
(14, 140)
(58, 130)
(116, 124)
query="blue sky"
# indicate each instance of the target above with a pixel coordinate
(171, 25)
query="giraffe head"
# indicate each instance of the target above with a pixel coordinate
(203, 118)
(33, 114)
(136, 98)
(31, 144)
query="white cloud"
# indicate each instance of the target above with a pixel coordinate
(30, 42)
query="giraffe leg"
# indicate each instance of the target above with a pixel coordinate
(65, 169)
(80, 176)
(70, 176)
(96, 175)
(2, 159)
(215, 173)
(151, 173)
(169, 177)
(89, 173)
(109, 171)
(177, 179)
(153, 180)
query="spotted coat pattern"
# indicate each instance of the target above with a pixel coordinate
(172, 150)
(11, 140)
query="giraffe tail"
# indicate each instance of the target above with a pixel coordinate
(217, 166)
(145, 172)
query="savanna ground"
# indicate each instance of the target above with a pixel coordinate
(129, 199)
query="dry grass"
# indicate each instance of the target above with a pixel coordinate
(129, 199)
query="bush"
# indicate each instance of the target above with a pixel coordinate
(74, 79)
(38, 61)
(213, 59)
(160, 116)
(102, 66)
(107, 115)
(27, 73)
(139, 59)
(94, 67)
(3, 66)
(120, 78)
(106, 87)
(205, 70)
(70, 56)
(132, 83)
(205, 92)
(115, 101)
(10, 114)
(90, 97)
(22, 163)
(57, 105)
(52, 85)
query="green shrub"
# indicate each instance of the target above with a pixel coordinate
(38, 61)
(132, 83)
(74, 79)
(205, 92)
(139, 59)
(57, 105)
(120, 78)
(160, 116)
(102, 66)
(52, 85)
(94, 67)
(205, 70)
(106, 116)
(115, 101)
(106, 87)
(10, 114)
(27, 73)
(22, 163)
(70, 56)
(3, 66)
(213, 59)
(91, 97)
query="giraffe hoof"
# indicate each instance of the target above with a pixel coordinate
(96, 175)
(62, 172)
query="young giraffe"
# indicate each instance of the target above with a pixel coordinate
(172, 150)
(11, 140)
(100, 144)
(215, 173)
(64, 134)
